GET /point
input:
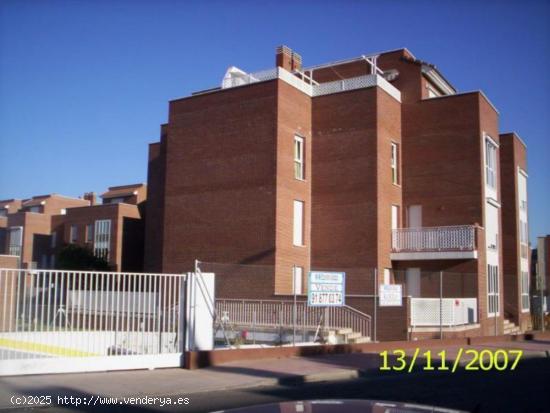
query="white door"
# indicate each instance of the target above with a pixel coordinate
(415, 216)
(413, 282)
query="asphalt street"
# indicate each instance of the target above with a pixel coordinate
(522, 390)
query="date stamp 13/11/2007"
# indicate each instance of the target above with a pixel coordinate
(468, 359)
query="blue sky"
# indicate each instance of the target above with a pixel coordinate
(84, 85)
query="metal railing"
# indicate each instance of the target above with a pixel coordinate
(308, 85)
(281, 313)
(51, 313)
(451, 238)
(448, 312)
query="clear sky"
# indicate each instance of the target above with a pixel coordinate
(84, 85)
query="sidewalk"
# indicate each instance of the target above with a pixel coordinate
(166, 382)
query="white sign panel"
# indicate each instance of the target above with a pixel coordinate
(390, 295)
(326, 289)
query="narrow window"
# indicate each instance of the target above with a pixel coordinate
(525, 290)
(73, 236)
(395, 163)
(298, 157)
(492, 290)
(89, 233)
(54, 239)
(102, 239)
(297, 276)
(490, 164)
(298, 223)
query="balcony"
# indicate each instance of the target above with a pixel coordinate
(434, 243)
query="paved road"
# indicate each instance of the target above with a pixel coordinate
(522, 390)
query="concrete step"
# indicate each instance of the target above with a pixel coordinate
(344, 331)
(353, 335)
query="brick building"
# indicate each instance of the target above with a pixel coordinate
(515, 230)
(41, 226)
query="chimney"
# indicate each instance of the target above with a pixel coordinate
(287, 59)
(91, 196)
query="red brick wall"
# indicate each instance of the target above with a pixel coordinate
(344, 187)
(512, 155)
(220, 178)
(293, 118)
(154, 220)
(8, 292)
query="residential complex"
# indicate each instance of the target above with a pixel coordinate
(36, 229)
(371, 165)
(375, 166)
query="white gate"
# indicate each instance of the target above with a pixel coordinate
(73, 321)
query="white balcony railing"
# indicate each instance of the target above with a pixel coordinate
(306, 84)
(428, 239)
(427, 312)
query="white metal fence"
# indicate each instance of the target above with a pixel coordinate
(453, 238)
(93, 319)
(281, 313)
(307, 85)
(432, 312)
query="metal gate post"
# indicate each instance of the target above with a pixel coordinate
(375, 299)
(441, 305)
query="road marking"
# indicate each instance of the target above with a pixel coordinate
(43, 348)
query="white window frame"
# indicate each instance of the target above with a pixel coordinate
(493, 291)
(394, 162)
(102, 239)
(73, 234)
(299, 167)
(297, 279)
(525, 305)
(298, 223)
(490, 163)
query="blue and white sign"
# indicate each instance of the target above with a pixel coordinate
(326, 289)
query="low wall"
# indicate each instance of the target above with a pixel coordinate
(200, 359)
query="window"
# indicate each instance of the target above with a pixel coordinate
(3, 212)
(523, 232)
(89, 233)
(386, 276)
(298, 224)
(491, 164)
(73, 235)
(119, 200)
(395, 163)
(492, 290)
(525, 290)
(35, 209)
(298, 157)
(52, 261)
(54, 239)
(297, 275)
(15, 240)
(102, 238)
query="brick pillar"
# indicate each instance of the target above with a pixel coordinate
(8, 299)
(287, 59)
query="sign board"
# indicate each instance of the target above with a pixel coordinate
(326, 289)
(390, 295)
